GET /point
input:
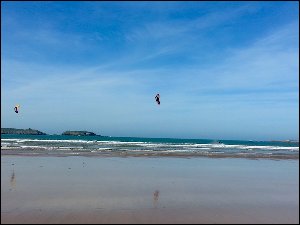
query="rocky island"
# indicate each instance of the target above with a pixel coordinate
(21, 131)
(79, 133)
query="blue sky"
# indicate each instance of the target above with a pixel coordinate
(224, 70)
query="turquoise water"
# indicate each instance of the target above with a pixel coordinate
(152, 146)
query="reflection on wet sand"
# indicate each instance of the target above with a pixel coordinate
(155, 198)
(13, 181)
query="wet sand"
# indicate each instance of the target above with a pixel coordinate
(61, 153)
(78, 189)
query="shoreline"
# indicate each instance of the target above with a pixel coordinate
(83, 189)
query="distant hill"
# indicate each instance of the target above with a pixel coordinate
(79, 133)
(21, 131)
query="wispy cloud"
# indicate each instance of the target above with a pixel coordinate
(264, 63)
(176, 28)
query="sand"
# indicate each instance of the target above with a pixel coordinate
(78, 189)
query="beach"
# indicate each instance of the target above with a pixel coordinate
(167, 112)
(81, 189)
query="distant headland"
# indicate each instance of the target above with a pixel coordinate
(30, 131)
(21, 131)
(79, 133)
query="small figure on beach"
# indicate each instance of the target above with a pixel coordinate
(156, 195)
(13, 181)
(157, 99)
(155, 198)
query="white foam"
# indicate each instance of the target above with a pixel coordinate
(31, 146)
(140, 146)
(38, 140)
(104, 149)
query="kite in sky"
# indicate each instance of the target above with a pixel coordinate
(17, 108)
(157, 99)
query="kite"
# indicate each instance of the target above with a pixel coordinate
(17, 108)
(157, 99)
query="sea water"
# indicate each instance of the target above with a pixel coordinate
(136, 146)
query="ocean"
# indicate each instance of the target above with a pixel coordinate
(61, 145)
